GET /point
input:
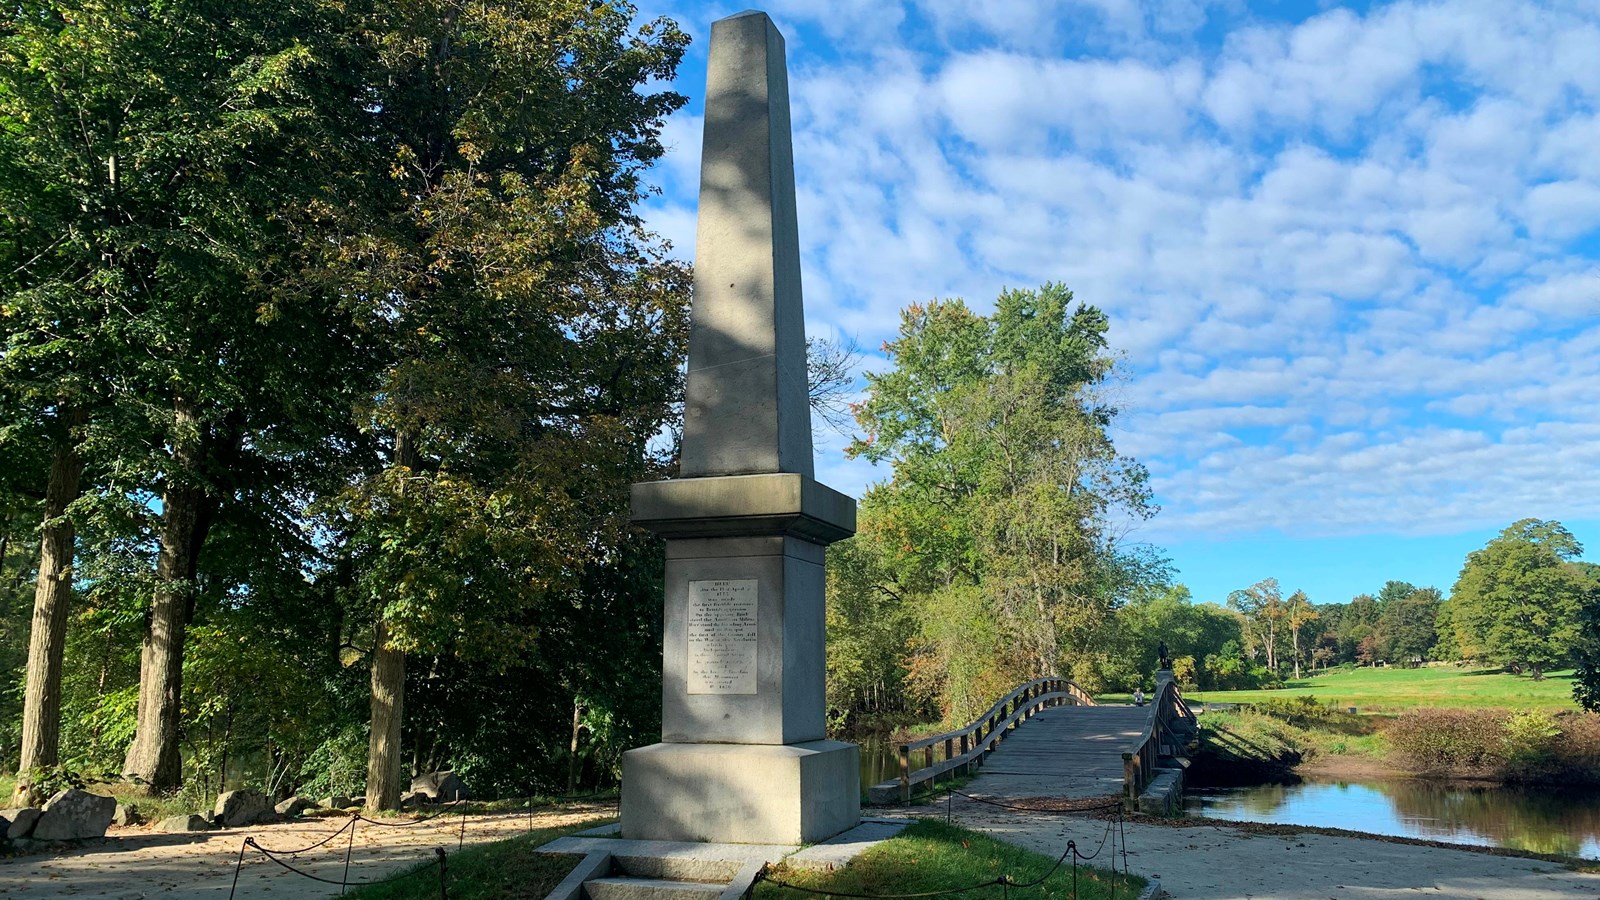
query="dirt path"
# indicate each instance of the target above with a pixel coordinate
(1224, 863)
(135, 863)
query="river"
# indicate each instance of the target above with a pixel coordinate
(1537, 818)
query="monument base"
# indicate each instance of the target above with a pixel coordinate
(741, 793)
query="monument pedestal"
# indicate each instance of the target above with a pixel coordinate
(741, 793)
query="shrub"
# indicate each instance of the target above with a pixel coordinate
(1576, 754)
(1434, 740)
(1528, 738)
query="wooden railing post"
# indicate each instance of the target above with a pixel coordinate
(905, 773)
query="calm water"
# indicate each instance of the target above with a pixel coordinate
(1542, 819)
(880, 761)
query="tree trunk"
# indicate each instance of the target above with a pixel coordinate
(154, 760)
(41, 710)
(388, 684)
(572, 757)
(388, 700)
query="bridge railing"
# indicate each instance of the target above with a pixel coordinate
(967, 746)
(1159, 739)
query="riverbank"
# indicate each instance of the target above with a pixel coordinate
(1274, 739)
(1203, 860)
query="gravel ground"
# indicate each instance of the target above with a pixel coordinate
(135, 863)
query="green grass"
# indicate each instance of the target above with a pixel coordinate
(932, 856)
(1391, 689)
(497, 871)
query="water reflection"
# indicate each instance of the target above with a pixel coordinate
(880, 761)
(1542, 819)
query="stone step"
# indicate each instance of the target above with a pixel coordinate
(627, 887)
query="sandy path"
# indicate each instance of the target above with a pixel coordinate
(136, 863)
(1223, 863)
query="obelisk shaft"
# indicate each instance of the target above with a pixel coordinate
(746, 408)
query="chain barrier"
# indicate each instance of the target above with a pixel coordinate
(350, 826)
(250, 844)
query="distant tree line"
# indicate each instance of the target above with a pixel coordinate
(945, 647)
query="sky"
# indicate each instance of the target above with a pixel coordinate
(1350, 252)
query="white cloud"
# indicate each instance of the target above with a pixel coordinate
(1346, 257)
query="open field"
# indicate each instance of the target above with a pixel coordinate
(1381, 689)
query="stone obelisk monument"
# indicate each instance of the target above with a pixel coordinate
(743, 756)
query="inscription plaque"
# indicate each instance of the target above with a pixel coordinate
(722, 637)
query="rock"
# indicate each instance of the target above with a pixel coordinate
(21, 821)
(268, 817)
(293, 806)
(335, 802)
(441, 786)
(74, 815)
(177, 824)
(415, 798)
(127, 814)
(236, 809)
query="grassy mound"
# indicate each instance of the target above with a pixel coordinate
(932, 856)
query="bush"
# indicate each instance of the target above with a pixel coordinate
(1576, 754)
(1440, 740)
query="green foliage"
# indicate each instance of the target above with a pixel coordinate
(994, 533)
(1204, 640)
(1586, 683)
(1519, 600)
(257, 245)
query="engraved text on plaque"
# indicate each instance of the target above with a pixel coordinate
(722, 637)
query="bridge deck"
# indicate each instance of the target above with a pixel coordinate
(1065, 751)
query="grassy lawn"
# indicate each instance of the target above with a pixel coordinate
(932, 856)
(497, 871)
(1380, 689)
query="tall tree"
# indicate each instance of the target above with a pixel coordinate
(1298, 612)
(1407, 628)
(1586, 681)
(1000, 516)
(166, 147)
(534, 332)
(1264, 609)
(1519, 600)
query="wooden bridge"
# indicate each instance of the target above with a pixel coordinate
(1048, 738)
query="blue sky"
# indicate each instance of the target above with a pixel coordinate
(1351, 252)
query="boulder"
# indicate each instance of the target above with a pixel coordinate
(236, 809)
(268, 817)
(21, 821)
(74, 815)
(127, 814)
(177, 824)
(294, 806)
(440, 786)
(336, 802)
